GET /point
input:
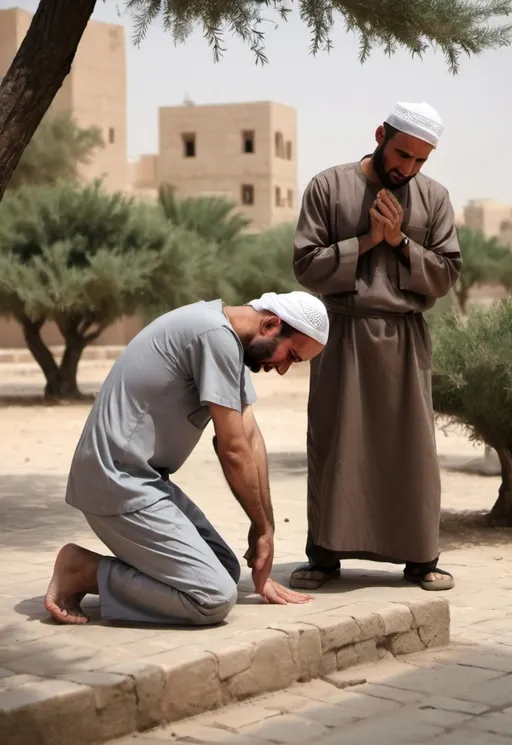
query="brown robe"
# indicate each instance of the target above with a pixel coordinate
(373, 477)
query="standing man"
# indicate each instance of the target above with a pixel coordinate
(377, 240)
(169, 564)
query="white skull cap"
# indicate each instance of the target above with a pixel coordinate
(302, 311)
(418, 120)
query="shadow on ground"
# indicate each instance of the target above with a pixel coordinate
(35, 516)
(466, 529)
(283, 465)
(295, 464)
(31, 398)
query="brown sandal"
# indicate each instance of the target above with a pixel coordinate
(312, 576)
(417, 573)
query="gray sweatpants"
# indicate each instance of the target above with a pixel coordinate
(170, 566)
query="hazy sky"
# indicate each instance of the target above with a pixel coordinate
(339, 101)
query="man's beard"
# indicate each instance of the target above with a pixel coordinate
(380, 170)
(257, 351)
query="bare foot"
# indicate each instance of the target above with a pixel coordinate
(74, 575)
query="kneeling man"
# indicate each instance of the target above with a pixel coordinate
(169, 564)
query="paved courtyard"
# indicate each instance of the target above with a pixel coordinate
(458, 696)
(37, 443)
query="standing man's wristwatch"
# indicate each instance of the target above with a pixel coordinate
(403, 243)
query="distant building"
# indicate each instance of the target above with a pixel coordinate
(246, 152)
(490, 218)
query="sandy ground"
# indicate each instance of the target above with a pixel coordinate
(37, 443)
(36, 446)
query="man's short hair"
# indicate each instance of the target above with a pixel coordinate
(390, 131)
(286, 330)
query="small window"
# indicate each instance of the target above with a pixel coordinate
(247, 194)
(290, 198)
(189, 145)
(111, 135)
(278, 196)
(248, 141)
(279, 145)
(288, 150)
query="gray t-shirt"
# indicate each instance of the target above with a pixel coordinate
(153, 407)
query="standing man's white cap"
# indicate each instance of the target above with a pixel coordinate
(302, 311)
(418, 120)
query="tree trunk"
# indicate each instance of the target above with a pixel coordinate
(61, 380)
(69, 368)
(36, 74)
(463, 296)
(501, 513)
(42, 355)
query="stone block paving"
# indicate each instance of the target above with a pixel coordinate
(445, 697)
(101, 681)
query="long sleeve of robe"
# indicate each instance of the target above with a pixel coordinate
(321, 264)
(433, 271)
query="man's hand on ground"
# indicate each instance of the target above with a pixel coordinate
(277, 594)
(261, 550)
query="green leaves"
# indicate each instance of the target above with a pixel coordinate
(264, 264)
(213, 218)
(454, 26)
(472, 379)
(56, 151)
(76, 251)
(483, 260)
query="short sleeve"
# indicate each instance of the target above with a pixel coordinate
(215, 359)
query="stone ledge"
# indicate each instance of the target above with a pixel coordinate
(86, 708)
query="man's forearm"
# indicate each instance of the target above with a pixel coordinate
(259, 451)
(260, 456)
(241, 472)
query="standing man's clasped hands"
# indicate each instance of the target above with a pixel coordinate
(388, 215)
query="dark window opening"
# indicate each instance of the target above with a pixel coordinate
(189, 145)
(111, 135)
(279, 145)
(247, 194)
(248, 141)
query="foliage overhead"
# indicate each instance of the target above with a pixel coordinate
(454, 26)
(56, 151)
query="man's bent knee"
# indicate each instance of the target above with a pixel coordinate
(219, 608)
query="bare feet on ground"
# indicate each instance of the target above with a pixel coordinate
(74, 576)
